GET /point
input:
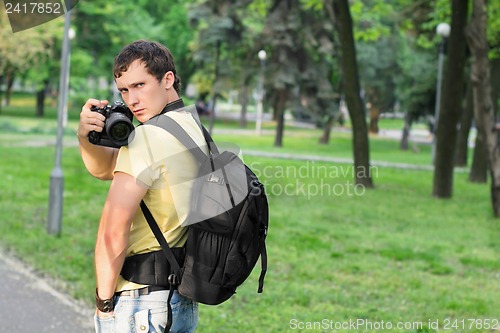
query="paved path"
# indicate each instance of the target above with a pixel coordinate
(29, 304)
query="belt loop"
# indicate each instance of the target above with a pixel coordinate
(135, 293)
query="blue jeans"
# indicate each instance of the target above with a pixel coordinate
(148, 314)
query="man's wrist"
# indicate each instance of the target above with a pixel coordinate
(81, 138)
(104, 305)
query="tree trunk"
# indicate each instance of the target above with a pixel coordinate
(10, 84)
(244, 96)
(446, 132)
(279, 109)
(1, 84)
(479, 168)
(495, 83)
(325, 138)
(40, 99)
(355, 105)
(374, 116)
(244, 105)
(462, 148)
(483, 105)
(405, 137)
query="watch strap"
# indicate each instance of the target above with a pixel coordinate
(104, 305)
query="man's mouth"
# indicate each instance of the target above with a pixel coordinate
(138, 111)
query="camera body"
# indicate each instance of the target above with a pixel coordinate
(117, 126)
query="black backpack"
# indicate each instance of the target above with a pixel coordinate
(228, 224)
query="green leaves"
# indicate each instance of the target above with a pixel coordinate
(27, 49)
(493, 29)
(372, 20)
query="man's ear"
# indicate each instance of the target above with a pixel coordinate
(169, 79)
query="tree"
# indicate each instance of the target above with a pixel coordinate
(450, 107)
(319, 76)
(483, 104)
(350, 79)
(479, 168)
(378, 68)
(299, 37)
(375, 32)
(171, 16)
(280, 33)
(415, 84)
(33, 50)
(219, 33)
(104, 28)
(462, 148)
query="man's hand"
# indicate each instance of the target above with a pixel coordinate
(90, 120)
(99, 160)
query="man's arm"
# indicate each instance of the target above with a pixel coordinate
(100, 161)
(124, 197)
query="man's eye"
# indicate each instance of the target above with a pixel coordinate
(140, 84)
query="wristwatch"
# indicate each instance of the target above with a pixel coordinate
(104, 305)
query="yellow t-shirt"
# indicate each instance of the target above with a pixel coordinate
(159, 161)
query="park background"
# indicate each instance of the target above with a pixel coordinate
(379, 243)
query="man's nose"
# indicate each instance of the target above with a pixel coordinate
(133, 98)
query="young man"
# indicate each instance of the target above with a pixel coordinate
(150, 168)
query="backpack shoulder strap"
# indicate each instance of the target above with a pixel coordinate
(161, 239)
(210, 142)
(263, 209)
(171, 126)
(175, 278)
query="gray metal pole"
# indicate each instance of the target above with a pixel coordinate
(54, 220)
(437, 106)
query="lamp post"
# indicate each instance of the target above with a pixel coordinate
(71, 35)
(54, 220)
(443, 30)
(260, 95)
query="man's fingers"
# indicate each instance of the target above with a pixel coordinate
(90, 120)
(87, 115)
(97, 119)
(95, 102)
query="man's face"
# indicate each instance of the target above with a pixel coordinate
(141, 91)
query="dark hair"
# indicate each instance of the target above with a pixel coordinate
(155, 56)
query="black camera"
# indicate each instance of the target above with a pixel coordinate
(117, 126)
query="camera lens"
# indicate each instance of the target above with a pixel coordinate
(120, 131)
(119, 127)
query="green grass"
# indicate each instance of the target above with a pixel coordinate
(24, 203)
(306, 143)
(336, 252)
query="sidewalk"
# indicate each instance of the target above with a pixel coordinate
(29, 304)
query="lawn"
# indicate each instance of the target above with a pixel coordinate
(341, 257)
